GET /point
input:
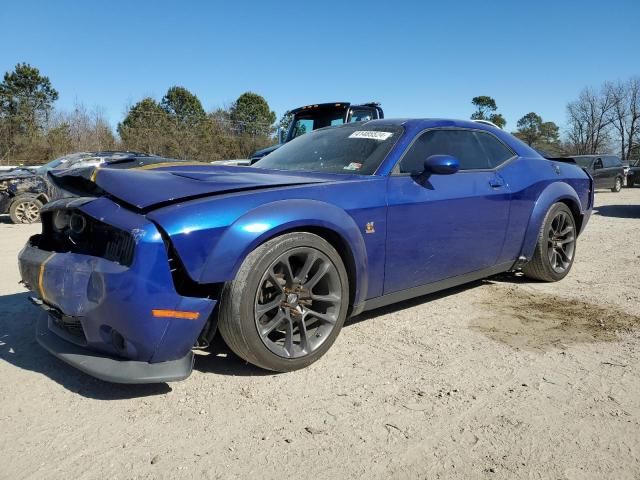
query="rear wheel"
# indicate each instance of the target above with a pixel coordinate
(287, 304)
(25, 209)
(556, 247)
(617, 186)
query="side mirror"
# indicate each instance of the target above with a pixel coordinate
(441, 164)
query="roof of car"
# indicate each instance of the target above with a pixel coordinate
(433, 122)
(593, 155)
(415, 125)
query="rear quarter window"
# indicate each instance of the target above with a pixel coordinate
(497, 152)
(611, 162)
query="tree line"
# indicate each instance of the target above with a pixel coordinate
(33, 131)
(604, 120)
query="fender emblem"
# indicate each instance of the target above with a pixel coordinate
(369, 228)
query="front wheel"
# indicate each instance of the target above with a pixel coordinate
(287, 304)
(556, 246)
(618, 185)
(25, 209)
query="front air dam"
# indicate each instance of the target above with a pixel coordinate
(106, 367)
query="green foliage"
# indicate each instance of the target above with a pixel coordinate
(484, 107)
(145, 127)
(26, 96)
(284, 123)
(498, 119)
(252, 115)
(179, 127)
(183, 105)
(550, 132)
(486, 110)
(539, 134)
(143, 114)
(26, 100)
(529, 128)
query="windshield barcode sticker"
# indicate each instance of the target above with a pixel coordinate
(371, 135)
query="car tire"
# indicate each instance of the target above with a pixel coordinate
(617, 186)
(264, 321)
(556, 246)
(25, 209)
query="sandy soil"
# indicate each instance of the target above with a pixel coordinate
(500, 379)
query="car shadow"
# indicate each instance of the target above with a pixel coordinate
(618, 211)
(220, 360)
(19, 348)
(412, 302)
(6, 219)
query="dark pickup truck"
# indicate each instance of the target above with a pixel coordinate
(607, 170)
(311, 117)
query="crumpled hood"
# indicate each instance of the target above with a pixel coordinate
(145, 188)
(15, 173)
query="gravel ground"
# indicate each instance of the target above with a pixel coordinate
(499, 379)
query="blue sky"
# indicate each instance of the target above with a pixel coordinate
(419, 58)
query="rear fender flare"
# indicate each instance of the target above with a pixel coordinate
(275, 218)
(555, 192)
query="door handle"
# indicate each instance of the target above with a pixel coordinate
(496, 181)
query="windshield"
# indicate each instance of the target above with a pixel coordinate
(357, 149)
(60, 162)
(48, 166)
(308, 121)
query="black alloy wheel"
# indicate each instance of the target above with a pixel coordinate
(287, 304)
(561, 241)
(556, 246)
(298, 302)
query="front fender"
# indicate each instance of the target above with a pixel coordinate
(553, 193)
(272, 219)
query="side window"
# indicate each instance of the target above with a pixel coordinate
(611, 162)
(598, 164)
(462, 144)
(496, 151)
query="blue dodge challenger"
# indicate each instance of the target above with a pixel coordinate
(140, 266)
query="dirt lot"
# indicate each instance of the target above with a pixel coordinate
(499, 379)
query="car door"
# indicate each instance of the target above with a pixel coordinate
(609, 171)
(442, 226)
(600, 177)
(614, 168)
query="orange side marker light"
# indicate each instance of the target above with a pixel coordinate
(175, 314)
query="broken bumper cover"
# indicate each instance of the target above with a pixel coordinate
(106, 367)
(101, 317)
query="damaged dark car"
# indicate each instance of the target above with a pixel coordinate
(24, 191)
(22, 194)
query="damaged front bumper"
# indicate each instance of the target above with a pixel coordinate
(102, 316)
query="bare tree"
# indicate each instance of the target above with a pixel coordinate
(625, 114)
(89, 129)
(589, 121)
